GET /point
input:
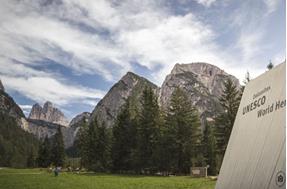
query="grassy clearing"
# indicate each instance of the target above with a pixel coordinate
(37, 179)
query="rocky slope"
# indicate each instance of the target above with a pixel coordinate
(1, 86)
(130, 86)
(70, 134)
(48, 113)
(203, 83)
(9, 106)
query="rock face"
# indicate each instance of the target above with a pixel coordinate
(44, 121)
(202, 82)
(48, 113)
(1, 86)
(8, 105)
(70, 134)
(41, 128)
(130, 86)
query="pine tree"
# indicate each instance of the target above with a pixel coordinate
(160, 150)
(31, 159)
(123, 141)
(229, 100)
(44, 153)
(147, 131)
(92, 146)
(183, 133)
(58, 150)
(103, 147)
(82, 143)
(209, 149)
(270, 65)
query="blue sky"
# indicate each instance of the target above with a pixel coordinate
(71, 52)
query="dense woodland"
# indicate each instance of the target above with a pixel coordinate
(148, 140)
(17, 147)
(144, 139)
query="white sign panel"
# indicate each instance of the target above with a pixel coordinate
(255, 156)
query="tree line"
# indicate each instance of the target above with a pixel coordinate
(148, 140)
(51, 151)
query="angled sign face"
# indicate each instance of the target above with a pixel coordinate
(255, 155)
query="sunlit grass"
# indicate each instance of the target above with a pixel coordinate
(41, 179)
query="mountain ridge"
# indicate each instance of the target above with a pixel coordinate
(202, 82)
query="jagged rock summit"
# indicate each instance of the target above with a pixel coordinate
(48, 113)
(203, 84)
(209, 75)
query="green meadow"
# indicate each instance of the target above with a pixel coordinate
(41, 179)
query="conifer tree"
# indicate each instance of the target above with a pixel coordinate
(270, 65)
(183, 133)
(31, 159)
(103, 147)
(44, 153)
(123, 141)
(83, 143)
(147, 131)
(209, 149)
(92, 146)
(58, 150)
(229, 100)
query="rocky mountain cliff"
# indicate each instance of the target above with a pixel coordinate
(202, 82)
(1, 86)
(130, 86)
(70, 134)
(48, 113)
(9, 106)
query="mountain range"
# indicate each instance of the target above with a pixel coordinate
(202, 82)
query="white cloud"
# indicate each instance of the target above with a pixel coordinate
(43, 89)
(104, 37)
(279, 58)
(206, 3)
(140, 31)
(271, 5)
(26, 109)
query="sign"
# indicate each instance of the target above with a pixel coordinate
(198, 171)
(255, 155)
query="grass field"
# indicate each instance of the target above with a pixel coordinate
(37, 179)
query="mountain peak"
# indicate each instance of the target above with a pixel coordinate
(48, 113)
(201, 68)
(130, 75)
(48, 103)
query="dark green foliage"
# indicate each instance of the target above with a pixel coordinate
(124, 140)
(146, 140)
(82, 144)
(209, 149)
(103, 147)
(183, 134)
(16, 145)
(58, 151)
(270, 65)
(98, 147)
(229, 100)
(147, 131)
(92, 144)
(44, 153)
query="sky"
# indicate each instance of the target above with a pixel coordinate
(70, 52)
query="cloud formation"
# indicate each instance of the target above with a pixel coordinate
(107, 37)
